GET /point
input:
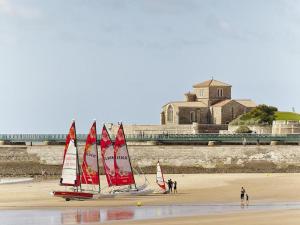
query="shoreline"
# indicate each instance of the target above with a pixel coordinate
(192, 189)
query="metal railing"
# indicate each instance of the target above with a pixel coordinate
(232, 138)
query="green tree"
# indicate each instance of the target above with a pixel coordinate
(262, 114)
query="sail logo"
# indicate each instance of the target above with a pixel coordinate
(91, 155)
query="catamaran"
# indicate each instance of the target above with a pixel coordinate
(117, 165)
(71, 175)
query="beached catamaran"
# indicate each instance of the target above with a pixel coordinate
(160, 178)
(117, 165)
(71, 175)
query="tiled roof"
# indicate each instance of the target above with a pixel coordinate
(211, 83)
(246, 102)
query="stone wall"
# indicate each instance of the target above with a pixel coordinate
(217, 156)
(278, 127)
(228, 115)
(286, 127)
(213, 94)
(30, 160)
(201, 115)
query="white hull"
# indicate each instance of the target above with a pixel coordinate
(141, 190)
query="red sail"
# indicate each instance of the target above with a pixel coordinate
(70, 172)
(123, 170)
(108, 159)
(90, 168)
(71, 136)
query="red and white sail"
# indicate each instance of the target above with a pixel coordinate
(108, 158)
(123, 169)
(70, 172)
(90, 167)
(160, 177)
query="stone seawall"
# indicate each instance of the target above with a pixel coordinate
(30, 160)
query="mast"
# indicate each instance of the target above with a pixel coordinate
(77, 159)
(128, 155)
(97, 158)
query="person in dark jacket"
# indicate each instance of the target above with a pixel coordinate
(242, 195)
(175, 186)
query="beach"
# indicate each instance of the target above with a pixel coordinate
(192, 189)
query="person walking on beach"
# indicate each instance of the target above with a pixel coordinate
(242, 195)
(247, 199)
(175, 186)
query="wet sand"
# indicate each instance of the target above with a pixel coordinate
(192, 188)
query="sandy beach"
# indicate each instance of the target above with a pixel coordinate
(192, 188)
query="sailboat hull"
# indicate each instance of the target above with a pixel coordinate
(68, 195)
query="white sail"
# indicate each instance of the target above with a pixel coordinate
(69, 172)
(159, 177)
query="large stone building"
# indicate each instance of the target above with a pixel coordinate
(209, 103)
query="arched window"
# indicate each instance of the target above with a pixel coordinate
(232, 112)
(220, 92)
(193, 116)
(170, 114)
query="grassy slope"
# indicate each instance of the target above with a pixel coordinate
(287, 116)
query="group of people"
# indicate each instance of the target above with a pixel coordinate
(244, 196)
(172, 186)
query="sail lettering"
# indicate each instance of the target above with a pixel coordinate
(109, 157)
(122, 157)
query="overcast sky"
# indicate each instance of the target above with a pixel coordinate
(122, 60)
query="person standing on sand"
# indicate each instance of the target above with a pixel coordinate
(171, 186)
(175, 186)
(242, 195)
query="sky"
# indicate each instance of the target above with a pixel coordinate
(122, 60)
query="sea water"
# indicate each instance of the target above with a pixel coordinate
(70, 216)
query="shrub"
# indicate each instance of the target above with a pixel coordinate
(243, 130)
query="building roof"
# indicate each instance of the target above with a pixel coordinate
(187, 104)
(211, 83)
(222, 103)
(247, 102)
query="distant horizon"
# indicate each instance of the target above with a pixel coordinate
(123, 60)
